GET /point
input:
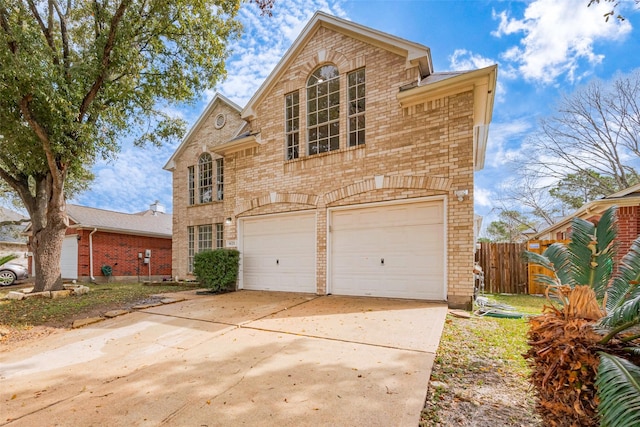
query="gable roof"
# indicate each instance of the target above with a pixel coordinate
(142, 223)
(628, 197)
(416, 54)
(217, 99)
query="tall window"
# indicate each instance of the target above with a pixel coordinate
(323, 110)
(356, 98)
(219, 235)
(292, 124)
(204, 241)
(205, 178)
(219, 179)
(192, 185)
(205, 237)
(191, 252)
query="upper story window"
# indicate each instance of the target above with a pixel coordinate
(220, 179)
(323, 110)
(192, 185)
(356, 99)
(205, 178)
(292, 124)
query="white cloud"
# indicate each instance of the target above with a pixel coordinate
(462, 60)
(131, 182)
(264, 42)
(559, 37)
(499, 153)
(483, 197)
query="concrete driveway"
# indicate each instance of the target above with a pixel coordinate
(244, 358)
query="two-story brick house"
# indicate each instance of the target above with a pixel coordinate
(350, 171)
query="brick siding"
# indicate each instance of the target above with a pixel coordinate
(424, 150)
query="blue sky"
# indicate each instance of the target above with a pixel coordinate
(543, 48)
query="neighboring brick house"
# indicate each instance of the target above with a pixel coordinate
(97, 238)
(350, 171)
(628, 204)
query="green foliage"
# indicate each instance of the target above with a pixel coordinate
(576, 189)
(618, 385)
(509, 227)
(588, 260)
(217, 269)
(7, 258)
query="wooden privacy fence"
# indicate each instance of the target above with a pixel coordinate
(503, 267)
(539, 246)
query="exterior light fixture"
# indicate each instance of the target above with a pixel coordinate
(460, 194)
(228, 221)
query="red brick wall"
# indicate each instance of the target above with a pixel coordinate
(120, 251)
(628, 228)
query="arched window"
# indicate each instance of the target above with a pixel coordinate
(205, 178)
(323, 110)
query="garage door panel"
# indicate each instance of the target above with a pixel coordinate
(69, 258)
(393, 250)
(278, 253)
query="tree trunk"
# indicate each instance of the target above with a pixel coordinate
(49, 223)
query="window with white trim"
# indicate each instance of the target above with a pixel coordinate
(205, 237)
(205, 178)
(292, 124)
(219, 235)
(356, 100)
(219, 179)
(191, 178)
(191, 252)
(323, 110)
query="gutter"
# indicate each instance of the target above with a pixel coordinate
(93, 279)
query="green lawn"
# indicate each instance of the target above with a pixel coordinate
(476, 351)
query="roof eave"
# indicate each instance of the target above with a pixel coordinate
(483, 84)
(593, 207)
(171, 164)
(239, 144)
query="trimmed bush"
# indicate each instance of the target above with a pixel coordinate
(217, 269)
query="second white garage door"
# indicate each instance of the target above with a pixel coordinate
(392, 250)
(69, 257)
(279, 252)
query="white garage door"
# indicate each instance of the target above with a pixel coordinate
(389, 251)
(279, 253)
(69, 258)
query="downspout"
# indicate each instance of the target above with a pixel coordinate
(93, 279)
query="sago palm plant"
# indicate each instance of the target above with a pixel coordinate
(584, 353)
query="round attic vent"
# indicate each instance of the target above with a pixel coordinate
(220, 120)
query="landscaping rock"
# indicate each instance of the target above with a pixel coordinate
(460, 313)
(77, 289)
(115, 313)
(15, 295)
(171, 300)
(60, 294)
(79, 323)
(45, 294)
(143, 306)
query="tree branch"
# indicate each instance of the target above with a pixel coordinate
(106, 59)
(45, 31)
(57, 172)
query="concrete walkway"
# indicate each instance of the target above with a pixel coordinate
(244, 358)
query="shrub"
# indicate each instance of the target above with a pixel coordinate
(217, 269)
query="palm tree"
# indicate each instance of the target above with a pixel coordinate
(584, 347)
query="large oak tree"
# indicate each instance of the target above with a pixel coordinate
(78, 76)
